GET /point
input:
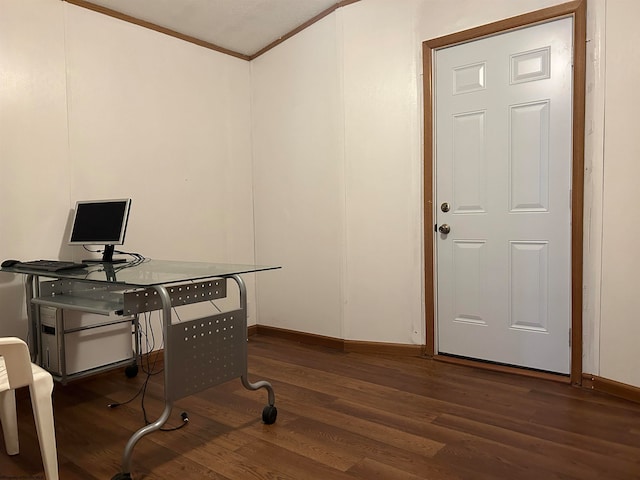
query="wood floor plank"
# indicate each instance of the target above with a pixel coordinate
(341, 416)
(375, 470)
(371, 430)
(438, 391)
(555, 457)
(291, 463)
(584, 443)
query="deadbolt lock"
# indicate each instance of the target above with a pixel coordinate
(445, 207)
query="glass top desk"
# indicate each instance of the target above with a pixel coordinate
(198, 353)
(146, 273)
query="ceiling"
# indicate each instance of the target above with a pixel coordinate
(244, 27)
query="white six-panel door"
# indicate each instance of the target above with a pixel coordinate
(503, 166)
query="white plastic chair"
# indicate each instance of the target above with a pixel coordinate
(16, 370)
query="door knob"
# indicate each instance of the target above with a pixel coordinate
(444, 228)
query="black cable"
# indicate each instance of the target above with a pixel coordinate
(117, 404)
(149, 368)
(149, 371)
(137, 258)
(143, 391)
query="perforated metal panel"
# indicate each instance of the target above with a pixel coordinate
(93, 290)
(206, 352)
(147, 300)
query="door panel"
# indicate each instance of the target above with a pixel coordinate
(529, 159)
(469, 180)
(503, 162)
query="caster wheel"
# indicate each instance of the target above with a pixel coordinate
(269, 414)
(131, 371)
(121, 476)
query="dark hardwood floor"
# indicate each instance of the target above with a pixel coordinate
(342, 416)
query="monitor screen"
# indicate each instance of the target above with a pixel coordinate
(100, 222)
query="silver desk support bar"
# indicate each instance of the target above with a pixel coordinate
(193, 331)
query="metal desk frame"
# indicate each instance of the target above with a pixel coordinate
(198, 353)
(61, 294)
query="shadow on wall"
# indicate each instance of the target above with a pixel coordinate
(65, 252)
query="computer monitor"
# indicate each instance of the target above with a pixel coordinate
(100, 222)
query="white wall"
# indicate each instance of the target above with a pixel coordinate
(593, 184)
(299, 181)
(383, 165)
(34, 160)
(166, 123)
(93, 107)
(620, 326)
(436, 18)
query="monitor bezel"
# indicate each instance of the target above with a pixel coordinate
(123, 225)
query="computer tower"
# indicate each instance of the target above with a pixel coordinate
(49, 339)
(88, 344)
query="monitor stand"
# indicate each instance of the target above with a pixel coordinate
(107, 257)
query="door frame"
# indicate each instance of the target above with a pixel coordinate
(576, 9)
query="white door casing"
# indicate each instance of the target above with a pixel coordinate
(503, 156)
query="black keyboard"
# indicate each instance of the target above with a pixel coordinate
(50, 265)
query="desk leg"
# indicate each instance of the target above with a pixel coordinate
(128, 450)
(269, 413)
(33, 318)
